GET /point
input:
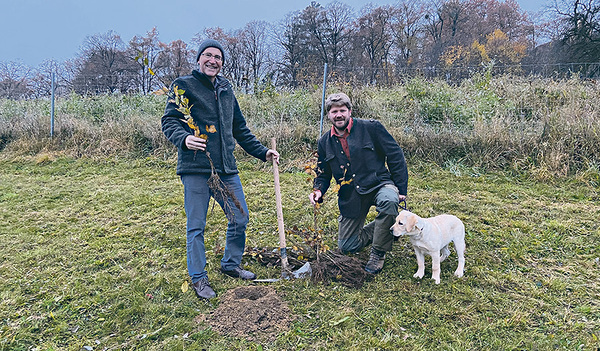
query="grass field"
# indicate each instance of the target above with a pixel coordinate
(93, 257)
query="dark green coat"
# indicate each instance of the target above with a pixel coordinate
(211, 105)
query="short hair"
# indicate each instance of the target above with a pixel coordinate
(337, 99)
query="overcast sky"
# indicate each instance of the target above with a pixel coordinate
(32, 31)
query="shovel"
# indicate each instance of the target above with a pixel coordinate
(286, 273)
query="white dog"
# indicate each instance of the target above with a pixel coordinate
(431, 236)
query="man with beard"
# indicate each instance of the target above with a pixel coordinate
(369, 167)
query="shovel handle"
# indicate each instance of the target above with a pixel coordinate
(282, 245)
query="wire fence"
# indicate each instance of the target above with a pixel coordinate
(389, 75)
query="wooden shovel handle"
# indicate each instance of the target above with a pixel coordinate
(282, 244)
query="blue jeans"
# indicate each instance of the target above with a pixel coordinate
(197, 196)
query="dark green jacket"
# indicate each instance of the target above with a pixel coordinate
(211, 105)
(371, 148)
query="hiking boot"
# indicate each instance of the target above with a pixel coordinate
(237, 272)
(203, 289)
(375, 263)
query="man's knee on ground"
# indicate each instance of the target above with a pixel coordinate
(349, 246)
(388, 207)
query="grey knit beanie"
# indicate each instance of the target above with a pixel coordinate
(210, 43)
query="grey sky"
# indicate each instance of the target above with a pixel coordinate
(36, 30)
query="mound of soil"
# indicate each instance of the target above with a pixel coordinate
(250, 312)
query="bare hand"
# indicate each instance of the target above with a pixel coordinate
(402, 197)
(195, 143)
(272, 155)
(315, 196)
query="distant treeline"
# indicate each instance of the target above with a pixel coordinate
(377, 45)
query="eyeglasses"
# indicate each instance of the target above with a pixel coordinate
(216, 57)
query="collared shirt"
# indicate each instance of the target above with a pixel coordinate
(342, 137)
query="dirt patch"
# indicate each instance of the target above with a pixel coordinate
(250, 312)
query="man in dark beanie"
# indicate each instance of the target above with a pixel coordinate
(215, 111)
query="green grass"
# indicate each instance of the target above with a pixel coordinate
(93, 254)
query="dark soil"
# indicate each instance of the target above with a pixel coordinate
(251, 312)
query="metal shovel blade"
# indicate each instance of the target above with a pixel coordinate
(301, 273)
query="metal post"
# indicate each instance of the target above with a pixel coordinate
(52, 107)
(323, 99)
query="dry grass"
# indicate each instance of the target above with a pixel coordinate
(541, 127)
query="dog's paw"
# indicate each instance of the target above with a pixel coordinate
(437, 280)
(418, 275)
(458, 274)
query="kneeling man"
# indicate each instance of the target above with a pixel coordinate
(369, 166)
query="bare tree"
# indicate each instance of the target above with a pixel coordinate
(41, 79)
(289, 39)
(14, 79)
(144, 52)
(375, 38)
(105, 65)
(174, 60)
(406, 26)
(338, 22)
(254, 48)
(581, 28)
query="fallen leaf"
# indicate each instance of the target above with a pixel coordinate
(184, 287)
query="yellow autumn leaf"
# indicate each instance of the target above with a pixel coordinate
(151, 71)
(204, 136)
(191, 124)
(335, 188)
(300, 257)
(184, 287)
(211, 129)
(346, 181)
(162, 91)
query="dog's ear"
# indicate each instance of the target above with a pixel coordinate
(411, 222)
(420, 223)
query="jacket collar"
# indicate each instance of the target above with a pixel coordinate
(220, 82)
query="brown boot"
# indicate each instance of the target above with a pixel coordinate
(375, 263)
